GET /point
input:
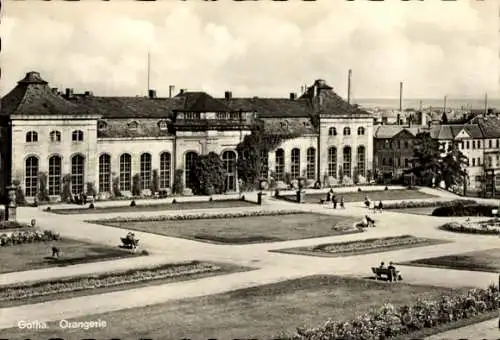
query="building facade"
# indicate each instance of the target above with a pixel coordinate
(104, 142)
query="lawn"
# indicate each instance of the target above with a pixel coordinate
(157, 207)
(484, 260)
(359, 196)
(260, 312)
(251, 229)
(360, 247)
(28, 256)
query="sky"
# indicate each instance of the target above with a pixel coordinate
(256, 48)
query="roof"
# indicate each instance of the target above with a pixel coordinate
(202, 102)
(490, 126)
(441, 132)
(272, 107)
(472, 130)
(295, 126)
(32, 96)
(131, 107)
(390, 131)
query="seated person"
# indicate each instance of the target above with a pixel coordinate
(393, 274)
(382, 265)
(369, 220)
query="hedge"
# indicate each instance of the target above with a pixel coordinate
(464, 210)
(389, 321)
(481, 229)
(426, 204)
(28, 236)
(43, 288)
(202, 216)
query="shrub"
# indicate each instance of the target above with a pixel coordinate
(66, 188)
(133, 204)
(464, 210)
(91, 191)
(91, 206)
(425, 204)
(28, 236)
(136, 185)
(174, 201)
(20, 199)
(42, 194)
(202, 216)
(116, 187)
(208, 175)
(178, 187)
(155, 182)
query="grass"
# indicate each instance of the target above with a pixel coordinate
(157, 207)
(28, 256)
(359, 196)
(484, 260)
(360, 247)
(251, 229)
(222, 269)
(259, 312)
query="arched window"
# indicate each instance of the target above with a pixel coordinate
(311, 163)
(145, 171)
(77, 173)
(295, 163)
(189, 161)
(229, 160)
(31, 176)
(104, 173)
(347, 131)
(347, 161)
(384, 161)
(361, 130)
(332, 131)
(280, 164)
(55, 173)
(264, 164)
(332, 162)
(55, 136)
(361, 160)
(125, 172)
(31, 137)
(165, 164)
(77, 136)
(162, 125)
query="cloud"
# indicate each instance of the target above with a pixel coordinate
(262, 48)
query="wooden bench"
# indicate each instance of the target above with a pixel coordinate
(379, 272)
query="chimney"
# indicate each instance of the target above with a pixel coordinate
(69, 93)
(54, 90)
(171, 89)
(152, 94)
(398, 119)
(228, 95)
(400, 97)
(293, 96)
(423, 118)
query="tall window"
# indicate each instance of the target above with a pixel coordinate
(145, 171)
(280, 164)
(295, 163)
(32, 137)
(104, 173)
(332, 162)
(229, 160)
(55, 136)
(332, 131)
(490, 144)
(347, 161)
(77, 136)
(77, 173)
(55, 175)
(264, 164)
(311, 163)
(361, 130)
(165, 161)
(361, 160)
(31, 176)
(347, 131)
(125, 172)
(190, 160)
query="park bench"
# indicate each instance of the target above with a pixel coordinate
(380, 272)
(130, 243)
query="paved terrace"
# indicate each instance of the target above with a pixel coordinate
(271, 267)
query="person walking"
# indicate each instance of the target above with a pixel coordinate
(334, 202)
(342, 202)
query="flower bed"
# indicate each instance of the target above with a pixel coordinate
(28, 236)
(482, 228)
(371, 243)
(388, 321)
(202, 216)
(44, 288)
(465, 210)
(425, 204)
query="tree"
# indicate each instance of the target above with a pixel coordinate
(208, 175)
(155, 183)
(66, 188)
(454, 165)
(42, 194)
(444, 118)
(136, 185)
(178, 187)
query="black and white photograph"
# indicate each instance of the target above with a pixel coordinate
(296, 170)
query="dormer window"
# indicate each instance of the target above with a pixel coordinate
(162, 125)
(102, 125)
(192, 115)
(133, 125)
(77, 136)
(32, 137)
(55, 136)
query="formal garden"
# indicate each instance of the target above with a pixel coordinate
(366, 246)
(65, 288)
(240, 227)
(317, 307)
